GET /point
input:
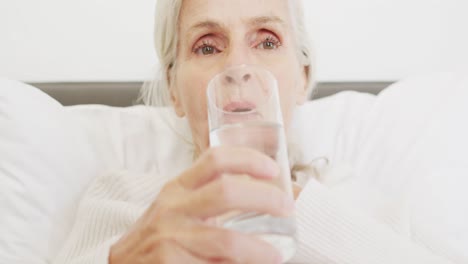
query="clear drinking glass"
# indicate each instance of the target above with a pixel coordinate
(244, 110)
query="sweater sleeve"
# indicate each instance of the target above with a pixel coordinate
(330, 232)
(107, 210)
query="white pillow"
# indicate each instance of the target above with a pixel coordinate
(128, 138)
(414, 140)
(50, 153)
(319, 123)
(39, 172)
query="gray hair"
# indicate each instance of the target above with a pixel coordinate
(156, 91)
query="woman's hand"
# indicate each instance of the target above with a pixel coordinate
(176, 228)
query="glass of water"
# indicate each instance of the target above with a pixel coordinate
(244, 110)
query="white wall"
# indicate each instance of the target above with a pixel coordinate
(55, 40)
(388, 39)
(110, 40)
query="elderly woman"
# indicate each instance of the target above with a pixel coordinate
(127, 218)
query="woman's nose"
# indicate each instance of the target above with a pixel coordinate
(238, 78)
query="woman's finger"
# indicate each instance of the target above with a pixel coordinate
(225, 246)
(236, 160)
(229, 193)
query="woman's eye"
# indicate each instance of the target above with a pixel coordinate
(269, 44)
(206, 50)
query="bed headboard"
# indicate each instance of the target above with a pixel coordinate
(126, 93)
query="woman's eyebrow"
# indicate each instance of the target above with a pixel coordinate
(214, 25)
(263, 20)
(255, 21)
(204, 25)
(207, 24)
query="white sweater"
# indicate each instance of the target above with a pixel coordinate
(409, 205)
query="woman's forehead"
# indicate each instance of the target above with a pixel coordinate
(215, 13)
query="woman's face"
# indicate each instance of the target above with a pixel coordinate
(216, 34)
